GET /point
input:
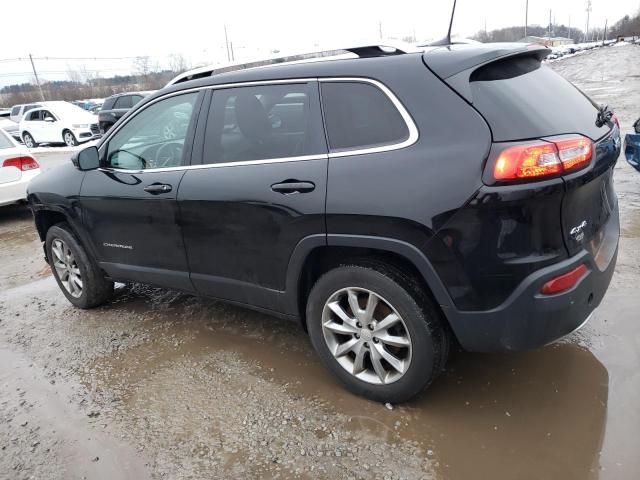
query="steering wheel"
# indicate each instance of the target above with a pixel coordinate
(169, 154)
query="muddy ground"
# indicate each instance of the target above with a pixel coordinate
(159, 384)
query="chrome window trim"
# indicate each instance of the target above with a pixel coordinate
(411, 126)
(302, 158)
(412, 138)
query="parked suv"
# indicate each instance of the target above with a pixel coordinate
(58, 122)
(115, 107)
(390, 203)
(18, 111)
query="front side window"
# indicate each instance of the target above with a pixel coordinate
(15, 111)
(263, 122)
(154, 137)
(46, 114)
(360, 115)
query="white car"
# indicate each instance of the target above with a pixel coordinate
(18, 111)
(58, 122)
(17, 168)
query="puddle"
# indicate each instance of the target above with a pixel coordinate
(532, 415)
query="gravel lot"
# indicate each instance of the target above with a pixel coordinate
(159, 384)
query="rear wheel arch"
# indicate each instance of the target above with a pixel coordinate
(305, 269)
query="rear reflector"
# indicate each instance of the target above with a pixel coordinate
(23, 163)
(564, 282)
(541, 159)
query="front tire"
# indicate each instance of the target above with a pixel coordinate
(28, 140)
(377, 331)
(79, 277)
(69, 139)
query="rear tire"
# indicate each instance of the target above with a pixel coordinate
(28, 140)
(416, 346)
(69, 138)
(78, 276)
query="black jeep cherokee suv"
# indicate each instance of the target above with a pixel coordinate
(390, 203)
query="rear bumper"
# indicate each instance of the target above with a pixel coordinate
(528, 319)
(13, 192)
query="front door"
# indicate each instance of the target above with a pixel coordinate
(129, 204)
(259, 191)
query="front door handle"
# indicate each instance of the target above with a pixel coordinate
(293, 186)
(156, 188)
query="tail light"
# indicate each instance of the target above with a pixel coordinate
(539, 159)
(564, 282)
(23, 163)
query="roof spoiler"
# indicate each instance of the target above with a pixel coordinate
(454, 64)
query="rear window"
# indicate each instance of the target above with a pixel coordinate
(360, 115)
(521, 99)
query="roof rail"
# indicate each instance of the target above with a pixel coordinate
(362, 51)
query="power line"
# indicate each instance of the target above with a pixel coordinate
(22, 59)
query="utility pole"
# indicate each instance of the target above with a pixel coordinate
(604, 37)
(36, 75)
(569, 36)
(485, 28)
(380, 29)
(226, 41)
(233, 57)
(586, 32)
(526, 16)
(550, 27)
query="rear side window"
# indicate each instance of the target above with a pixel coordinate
(123, 102)
(265, 122)
(33, 116)
(360, 115)
(135, 99)
(30, 107)
(522, 99)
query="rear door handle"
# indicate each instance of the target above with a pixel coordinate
(293, 186)
(156, 188)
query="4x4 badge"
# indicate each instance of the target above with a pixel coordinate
(578, 232)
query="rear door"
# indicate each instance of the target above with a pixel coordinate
(260, 190)
(32, 123)
(129, 205)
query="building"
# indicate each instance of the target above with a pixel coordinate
(549, 42)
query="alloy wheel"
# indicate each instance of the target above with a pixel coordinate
(366, 335)
(69, 140)
(66, 268)
(28, 141)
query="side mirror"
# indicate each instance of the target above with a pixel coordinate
(87, 159)
(636, 126)
(49, 119)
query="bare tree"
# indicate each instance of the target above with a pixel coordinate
(142, 65)
(178, 63)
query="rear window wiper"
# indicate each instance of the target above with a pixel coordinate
(604, 115)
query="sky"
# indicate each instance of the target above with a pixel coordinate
(121, 30)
